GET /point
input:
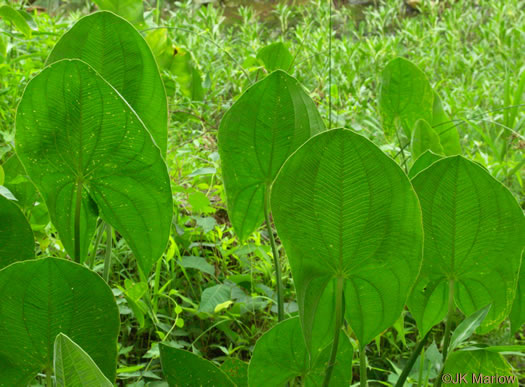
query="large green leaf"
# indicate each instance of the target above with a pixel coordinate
(343, 209)
(280, 356)
(91, 145)
(267, 124)
(183, 368)
(132, 10)
(16, 238)
(474, 236)
(424, 138)
(405, 96)
(117, 51)
(517, 315)
(479, 367)
(445, 128)
(237, 370)
(275, 56)
(42, 298)
(73, 366)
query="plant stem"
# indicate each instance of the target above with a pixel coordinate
(275, 252)
(446, 342)
(100, 232)
(338, 325)
(107, 258)
(78, 206)
(362, 367)
(49, 379)
(413, 357)
(421, 366)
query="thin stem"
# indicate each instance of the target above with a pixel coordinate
(78, 205)
(362, 367)
(446, 342)
(275, 252)
(330, 66)
(421, 366)
(411, 361)
(338, 325)
(49, 379)
(107, 258)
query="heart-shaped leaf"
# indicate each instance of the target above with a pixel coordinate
(346, 211)
(119, 53)
(267, 124)
(280, 356)
(405, 96)
(474, 232)
(478, 368)
(424, 138)
(42, 298)
(74, 367)
(517, 315)
(275, 56)
(16, 238)
(183, 368)
(90, 147)
(423, 161)
(237, 370)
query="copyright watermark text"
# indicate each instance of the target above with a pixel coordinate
(477, 379)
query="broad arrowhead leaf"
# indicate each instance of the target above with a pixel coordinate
(405, 96)
(267, 124)
(275, 56)
(16, 238)
(424, 138)
(423, 161)
(343, 209)
(481, 363)
(213, 296)
(474, 236)
(74, 367)
(237, 370)
(42, 298)
(89, 142)
(280, 356)
(117, 51)
(517, 315)
(183, 368)
(445, 128)
(131, 10)
(467, 327)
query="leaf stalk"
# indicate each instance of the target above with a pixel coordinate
(338, 326)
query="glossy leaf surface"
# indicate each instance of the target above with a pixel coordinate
(474, 236)
(267, 124)
(183, 368)
(405, 96)
(16, 238)
(344, 209)
(275, 56)
(90, 143)
(42, 298)
(117, 51)
(280, 356)
(424, 138)
(73, 366)
(493, 368)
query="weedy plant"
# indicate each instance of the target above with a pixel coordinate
(365, 237)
